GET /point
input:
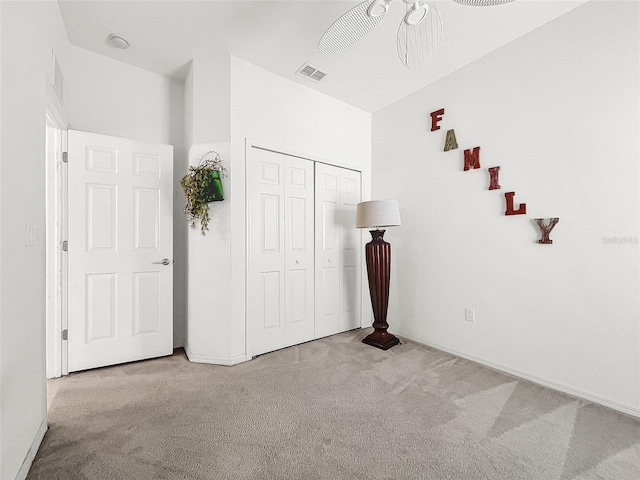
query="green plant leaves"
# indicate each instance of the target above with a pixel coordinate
(195, 184)
(202, 185)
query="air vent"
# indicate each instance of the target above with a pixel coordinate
(311, 72)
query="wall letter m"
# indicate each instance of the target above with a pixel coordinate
(471, 159)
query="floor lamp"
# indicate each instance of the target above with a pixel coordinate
(373, 215)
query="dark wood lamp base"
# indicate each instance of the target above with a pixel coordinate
(380, 339)
(378, 254)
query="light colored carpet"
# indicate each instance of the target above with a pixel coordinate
(329, 409)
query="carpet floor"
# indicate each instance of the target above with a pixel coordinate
(329, 409)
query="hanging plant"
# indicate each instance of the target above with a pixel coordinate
(202, 185)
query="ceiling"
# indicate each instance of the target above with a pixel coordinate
(280, 36)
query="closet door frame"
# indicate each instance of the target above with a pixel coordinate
(365, 309)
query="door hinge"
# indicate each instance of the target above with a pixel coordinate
(65, 334)
(65, 157)
(65, 246)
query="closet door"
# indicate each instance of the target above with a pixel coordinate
(327, 250)
(280, 308)
(337, 250)
(265, 282)
(350, 251)
(299, 251)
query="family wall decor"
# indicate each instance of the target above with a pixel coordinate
(472, 162)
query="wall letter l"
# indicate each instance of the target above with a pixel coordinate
(510, 211)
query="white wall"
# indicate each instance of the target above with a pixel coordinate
(30, 30)
(207, 121)
(114, 98)
(281, 114)
(210, 85)
(180, 244)
(272, 110)
(101, 95)
(558, 110)
(1, 454)
(208, 324)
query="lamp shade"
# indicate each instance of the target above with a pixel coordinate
(378, 213)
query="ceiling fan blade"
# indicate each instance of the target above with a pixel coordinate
(418, 44)
(351, 27)
(482, 3)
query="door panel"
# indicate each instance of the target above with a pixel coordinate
(350, 251)
(101, 217)
(120, 199)
(101, 306)
(280, 305)
(146, 212)
(270, 224)
(327, 200)
(146, 301)
(271, 295)
(265, 283)
(298, 295)
(299, 251)
(338, 252)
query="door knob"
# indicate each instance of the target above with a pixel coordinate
(165, 261)
(298, 261)
(330, 260)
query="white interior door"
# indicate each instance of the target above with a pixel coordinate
(280, 274)
(120, 260)
(350, 250)
(327, 232)
(265, 282)
(299, 251)
(337, 297)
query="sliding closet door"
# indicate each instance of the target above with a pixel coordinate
(281, 254)
(350, 251)
(299, 251)
(337, 272)
(327, 250)
(265, 285)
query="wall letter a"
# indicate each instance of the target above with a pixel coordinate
(472, 160)
(522, 209)
(450, 142)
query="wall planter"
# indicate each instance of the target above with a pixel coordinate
(213, 192)
(203, 185)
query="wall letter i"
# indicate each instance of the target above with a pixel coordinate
(493, 178)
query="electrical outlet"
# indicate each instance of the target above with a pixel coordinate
(469, 315)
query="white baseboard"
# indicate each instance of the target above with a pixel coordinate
(545, 382)
(178, 343)
(214, 359)
(31, 454)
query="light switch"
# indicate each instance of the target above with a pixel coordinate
(30, 240)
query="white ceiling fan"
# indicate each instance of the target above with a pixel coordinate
(419, 34)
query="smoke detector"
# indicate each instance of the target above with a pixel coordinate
(311, 72)
(118, 41)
